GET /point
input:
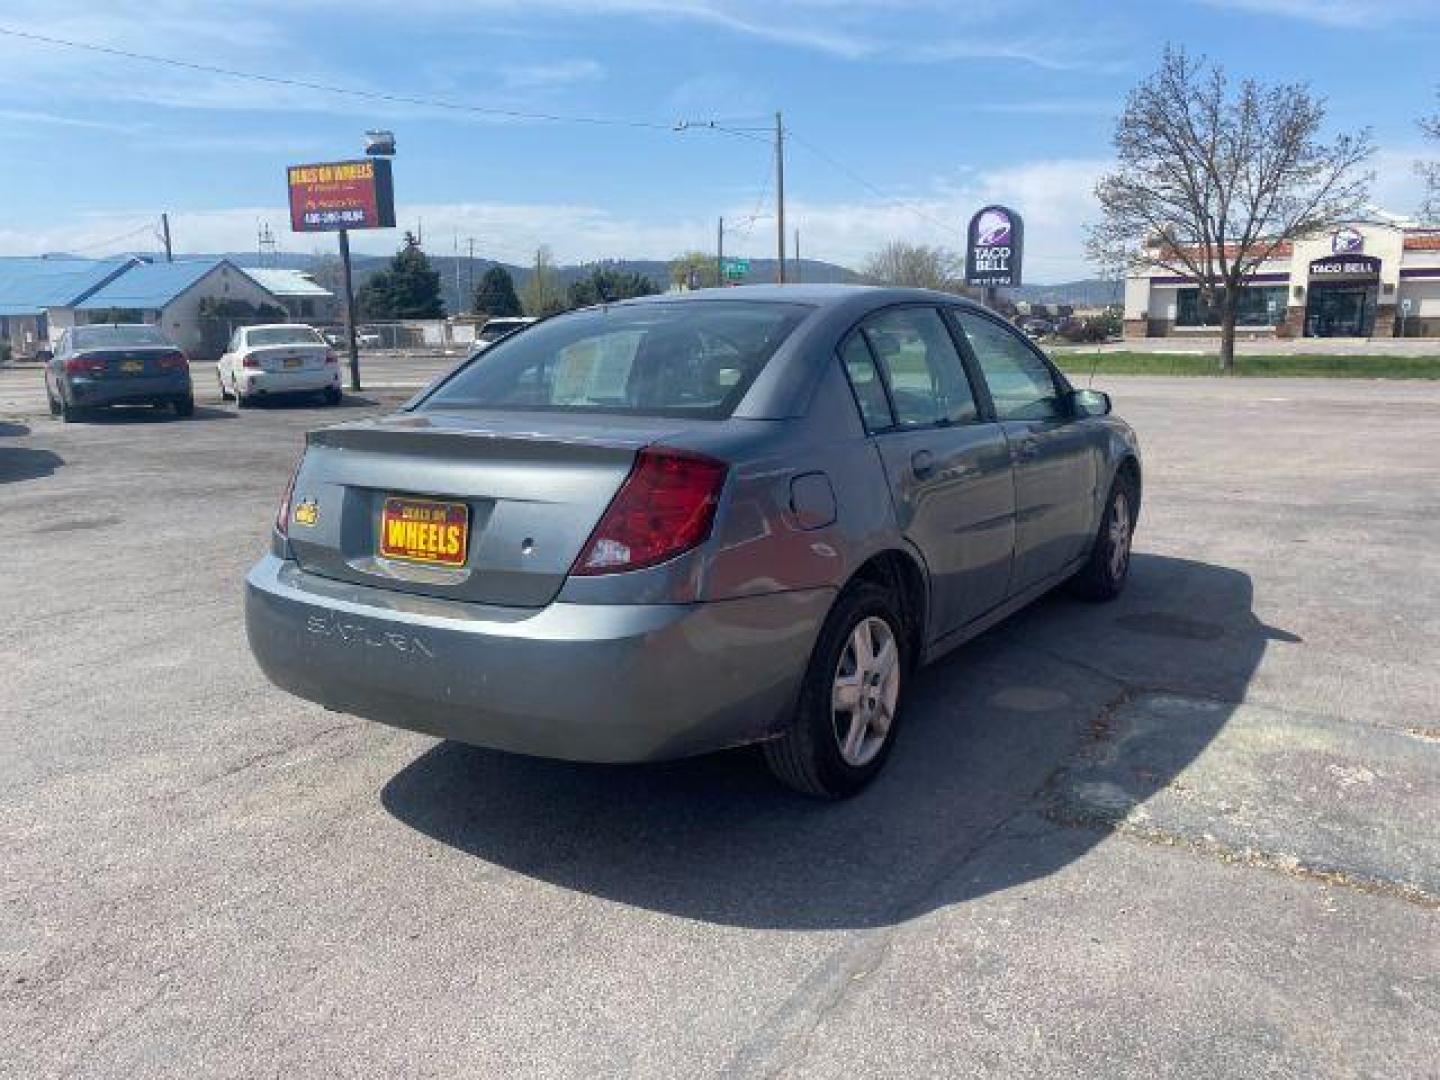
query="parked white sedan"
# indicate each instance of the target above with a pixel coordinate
(283, 358)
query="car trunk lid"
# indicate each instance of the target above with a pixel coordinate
(530, 488)
(296, 357)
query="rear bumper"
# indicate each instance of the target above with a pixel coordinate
(136, 390)
(602, 682)
(288, 382)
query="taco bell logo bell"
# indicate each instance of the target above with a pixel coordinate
(1347, 241)
(994, 248)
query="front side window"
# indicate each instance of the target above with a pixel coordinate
(1020, 382)
(680, 358)
(927, 379)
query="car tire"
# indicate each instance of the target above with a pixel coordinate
(1104, 574)
(225, 395)
(241, 401)
(331, 395)
(69, 413)
(50, 402)
(820, 753)
(184, 407)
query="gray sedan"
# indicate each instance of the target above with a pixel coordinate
(672, 525)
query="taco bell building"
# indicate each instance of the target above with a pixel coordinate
(1365, 280)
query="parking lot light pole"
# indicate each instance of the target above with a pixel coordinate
(350, 343)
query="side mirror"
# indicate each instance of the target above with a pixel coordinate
(1087, 403)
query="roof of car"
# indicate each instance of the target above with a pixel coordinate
(280, 326)
(820, 295)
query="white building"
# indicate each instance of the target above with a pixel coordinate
(1366, 279)
(302, 296)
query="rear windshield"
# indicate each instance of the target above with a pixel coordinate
(100, 337)
(284, 335)
(682, 358)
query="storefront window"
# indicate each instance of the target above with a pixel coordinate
(1260, 305)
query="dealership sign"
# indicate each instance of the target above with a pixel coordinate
(342, 195)
(995, 245)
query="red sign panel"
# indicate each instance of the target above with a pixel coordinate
(342, 195)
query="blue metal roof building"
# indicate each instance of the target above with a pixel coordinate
(30, 286)
(149, 286)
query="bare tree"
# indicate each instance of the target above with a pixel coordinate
(916, 266)
(1213, 180)
(1430, 170)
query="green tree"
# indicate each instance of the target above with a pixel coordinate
(495, 295)
(409, 288)
(606, 284)
(693, 270)
(541, 293)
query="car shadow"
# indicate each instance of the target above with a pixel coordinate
(987, 732)
(13, 429)
(146, 414)
(286, 402)
(25, 463)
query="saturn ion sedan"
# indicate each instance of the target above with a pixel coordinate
(667, 526)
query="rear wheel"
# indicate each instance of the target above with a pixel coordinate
(50, 401)
(225, 395)
(850, 701)
(69, 413)
(184, 407)
(1103, 576)
(241, 401)
(332, 395)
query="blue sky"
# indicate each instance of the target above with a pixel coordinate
(936, 107)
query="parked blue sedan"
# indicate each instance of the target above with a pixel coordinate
(117, 364)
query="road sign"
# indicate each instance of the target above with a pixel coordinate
(736, 268)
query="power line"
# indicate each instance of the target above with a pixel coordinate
(347, 91)
(148, 227)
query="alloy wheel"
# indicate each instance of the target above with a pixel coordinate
(865, 691)
(1119, 536)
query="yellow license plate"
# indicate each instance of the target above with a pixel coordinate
(425, 531)
(132, 367)
(293, 361)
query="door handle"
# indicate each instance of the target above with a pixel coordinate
(922, 463)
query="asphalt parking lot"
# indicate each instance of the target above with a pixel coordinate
(1192, 833)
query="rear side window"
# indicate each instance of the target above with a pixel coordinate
(927, 380)
(681, 358)
(1020, 381)
(865, 381)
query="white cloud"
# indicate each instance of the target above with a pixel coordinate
(556, 73)
(1336, 13)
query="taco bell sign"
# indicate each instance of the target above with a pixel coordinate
(995, 246)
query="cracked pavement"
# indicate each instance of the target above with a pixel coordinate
(1192, 833)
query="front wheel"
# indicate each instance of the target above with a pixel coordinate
(845, 722)
(1103, 575)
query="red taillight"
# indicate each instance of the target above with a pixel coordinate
(282, 516)
(250, 360)
(331, 358)
(174, 362)
(665, 507)
(84, 365)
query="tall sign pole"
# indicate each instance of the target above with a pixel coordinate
(780, 198)
(350, 344)
(337, 196)
(720, 254)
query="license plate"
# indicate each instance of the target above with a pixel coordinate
(425, 531)
(131, 367)
(293, 361)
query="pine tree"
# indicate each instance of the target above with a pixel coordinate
(495, 295)
(408, 289)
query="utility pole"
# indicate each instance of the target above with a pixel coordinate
(720, 255)
(165, 232)
(797, 256)
(455, 249)
(353, 348)
(780, 196)
(470, 274)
